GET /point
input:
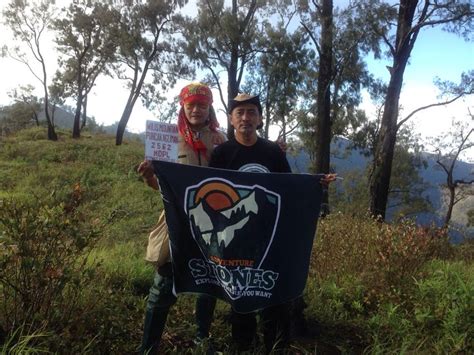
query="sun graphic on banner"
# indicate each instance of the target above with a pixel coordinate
(218, 195)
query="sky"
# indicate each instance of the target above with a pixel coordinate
(436, 54)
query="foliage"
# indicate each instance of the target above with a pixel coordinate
(28, 22)
(372, 288)
(439, 318)
(340, 40)
(398, 28)
(448, 147)
(224, 39)
(113, 200)
(406, 197)
(470, 216)
(350, 195)
(278, 75)
(390, 255)
(406, 184)
(24, 110)
(145, 43)
(15, 117)
(28, 343)
(395, 287)
(86, 39)
(41, 274)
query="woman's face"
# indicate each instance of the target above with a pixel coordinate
(197, 114)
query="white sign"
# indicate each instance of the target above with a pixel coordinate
(161, 141)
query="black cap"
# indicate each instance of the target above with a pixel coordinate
(241, 99)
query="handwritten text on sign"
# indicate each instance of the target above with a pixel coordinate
(161, 141)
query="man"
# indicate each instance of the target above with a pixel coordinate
(249, 153)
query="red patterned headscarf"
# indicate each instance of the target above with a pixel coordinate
(195, 93)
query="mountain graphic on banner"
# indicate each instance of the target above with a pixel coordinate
(232, 231)
(223, 224)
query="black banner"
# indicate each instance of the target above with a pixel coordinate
(242, 237)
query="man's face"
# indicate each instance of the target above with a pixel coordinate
(197, 113)
(245, 119)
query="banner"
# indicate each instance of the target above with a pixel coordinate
(242, 237)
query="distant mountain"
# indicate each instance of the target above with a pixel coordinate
(345, 160)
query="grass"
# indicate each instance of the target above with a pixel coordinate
(372, 288)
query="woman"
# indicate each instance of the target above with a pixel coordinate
(198, 135)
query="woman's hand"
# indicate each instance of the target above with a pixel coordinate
(145, 169)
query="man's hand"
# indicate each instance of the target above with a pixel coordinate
(145, 169)
(282, 144)
(327, 179)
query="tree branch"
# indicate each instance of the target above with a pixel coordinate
(310, 33)
(429, 106)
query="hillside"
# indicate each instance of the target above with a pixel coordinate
(74, 221)
(344, 161)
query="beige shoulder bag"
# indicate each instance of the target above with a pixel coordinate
(158, 249)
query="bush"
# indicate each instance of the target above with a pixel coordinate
(43, 261)
(385, 257)
(438, 319)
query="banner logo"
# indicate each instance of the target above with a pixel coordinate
(234, 226)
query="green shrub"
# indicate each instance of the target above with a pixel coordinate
(437, 318)
(385, 257)
(42, 264)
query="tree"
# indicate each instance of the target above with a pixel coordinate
(87, 40)
(406, 186)
(145, 45)
(29, 23)
(15, 117)
(24, 95)
(410, 18)
(223, 38)
(448, 148)
(278, 75)
(340, 40)
(323, 96)
(470, 218)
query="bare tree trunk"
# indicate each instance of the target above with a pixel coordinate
(76, 129)
(84, 113)
(232, 87)
(122, 125)
(323, 129)
(385, 146)
(135, 90)
(267, 119)
(283, 129)
(35, 117)
(51, 131)
(451, 203)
